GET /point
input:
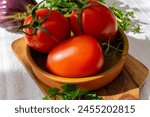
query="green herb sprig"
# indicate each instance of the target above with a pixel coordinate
(63, 6)
(124, 19)
(71, 92)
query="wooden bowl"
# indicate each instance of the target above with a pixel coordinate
(112, 67)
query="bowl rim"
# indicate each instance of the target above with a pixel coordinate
(83, 79)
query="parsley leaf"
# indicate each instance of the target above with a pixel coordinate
(63, 6)
(69, 87)
(124, 19)
(136, 29)
(71, 92)
(53, 92)
(45, 98)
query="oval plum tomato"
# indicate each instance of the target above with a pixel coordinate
(79, 56)
(56, 24)
(96, 20)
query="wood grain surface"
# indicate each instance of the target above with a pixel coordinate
(125, 87)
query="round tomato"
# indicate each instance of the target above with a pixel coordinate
(79, 56)
(57, 26)
(96, 20)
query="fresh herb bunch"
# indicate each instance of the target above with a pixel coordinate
(63, 6)
(71, 92)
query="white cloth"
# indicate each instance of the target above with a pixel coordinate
(15, 82)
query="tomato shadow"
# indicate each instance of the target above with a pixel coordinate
(124, 84)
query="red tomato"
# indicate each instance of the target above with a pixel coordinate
(97, 20)
(56, 24)
(77, 57)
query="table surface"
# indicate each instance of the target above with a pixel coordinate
(15, 82)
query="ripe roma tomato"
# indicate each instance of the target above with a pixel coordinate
(56, 24)
(77, 57)
(96, 20)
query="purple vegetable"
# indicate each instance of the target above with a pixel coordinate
(12, 13)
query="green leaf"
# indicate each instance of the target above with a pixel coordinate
(92, 96)
(45, 98)
(136, 29)
(53, 92)
(69, 87)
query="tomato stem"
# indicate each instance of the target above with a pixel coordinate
(36, 23)
(112, 47)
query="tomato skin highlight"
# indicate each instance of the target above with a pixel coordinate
(80, 56)
(56, 24)
(98, 21)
